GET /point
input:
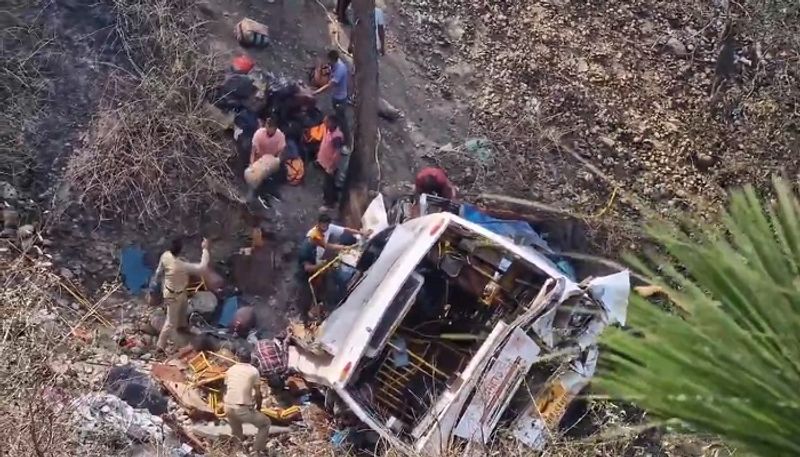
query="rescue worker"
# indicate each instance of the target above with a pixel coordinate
(307, 265)
(434, 181)
(329, 158)
(176, 272)
(338, 87)
(243, 400)
(268, 146)
(380, 21)
(271, 358)
(268, 140)
(321, 232)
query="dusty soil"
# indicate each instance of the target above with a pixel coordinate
(627, 86)
(301, 32)
(536, 78)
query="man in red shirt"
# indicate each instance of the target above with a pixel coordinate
(328, 158)
(265, 157)
(434, 181)
(267, 140)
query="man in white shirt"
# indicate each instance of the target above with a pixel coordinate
(380, 30)
(380, 22)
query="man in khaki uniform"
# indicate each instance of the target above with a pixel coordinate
(243, 400)
(176, 273)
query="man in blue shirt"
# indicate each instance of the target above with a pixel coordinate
(338, 86)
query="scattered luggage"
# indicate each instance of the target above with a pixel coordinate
(251, 33)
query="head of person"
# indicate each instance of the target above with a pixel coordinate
(176, 246)
(243, 354)
(271, 125)
(429, 186)
(323, 222)
(333, 56)
(276, 382)
(331, 123)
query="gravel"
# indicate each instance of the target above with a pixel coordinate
(626, 85)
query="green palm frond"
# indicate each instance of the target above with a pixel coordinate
(727, 359)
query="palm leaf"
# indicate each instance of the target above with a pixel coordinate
(729, 362)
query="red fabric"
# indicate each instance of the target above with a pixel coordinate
(328, 155)
(444, 186)
(242, 64)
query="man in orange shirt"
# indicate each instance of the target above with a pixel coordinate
(328, 157)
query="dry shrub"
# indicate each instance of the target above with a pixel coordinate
(36, 329)
(150, 148)
(22, 88)
(30, 333)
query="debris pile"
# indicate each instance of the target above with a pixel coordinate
(667, 99)
(107, 417)
(450, 331)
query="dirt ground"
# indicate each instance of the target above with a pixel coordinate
(433, 81)
(300, 32)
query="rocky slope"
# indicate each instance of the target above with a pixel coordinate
(630, 86)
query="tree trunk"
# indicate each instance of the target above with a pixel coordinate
(362, 162)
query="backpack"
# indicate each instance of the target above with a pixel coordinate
(295, 171)
(251, 33)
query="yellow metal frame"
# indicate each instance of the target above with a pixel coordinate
(215, 403)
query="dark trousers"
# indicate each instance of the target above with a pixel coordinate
(329, 191)
(341, 9)
(340, 111)
(304, 298)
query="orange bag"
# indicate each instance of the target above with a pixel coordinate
(295, 171)
(242, 64)
(314, 134)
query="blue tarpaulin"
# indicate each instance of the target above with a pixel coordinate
(519, 231)
(229, 307)
(135, 273)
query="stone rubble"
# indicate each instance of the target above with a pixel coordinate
(624, 84)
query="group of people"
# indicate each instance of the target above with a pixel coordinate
(243, 396)
(271, 153)
(270, 150)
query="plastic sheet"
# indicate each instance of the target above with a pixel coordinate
(520, 231)
(135, 274)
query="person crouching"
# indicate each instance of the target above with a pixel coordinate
(243, 400)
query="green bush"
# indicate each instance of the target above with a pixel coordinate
(726, 358)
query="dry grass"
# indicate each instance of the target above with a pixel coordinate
(22, 88)
(33, 329)
(150, 148)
